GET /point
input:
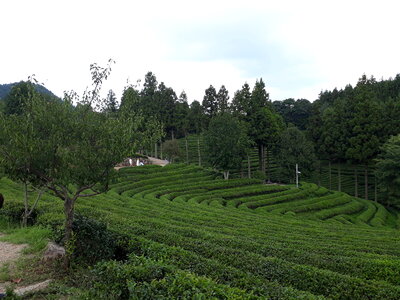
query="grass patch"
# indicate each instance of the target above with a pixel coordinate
(36, 237)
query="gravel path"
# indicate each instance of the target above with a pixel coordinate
(9, 252)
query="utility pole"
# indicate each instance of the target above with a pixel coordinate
(297, 175)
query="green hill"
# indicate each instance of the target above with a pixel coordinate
(192, 233)
(6, 88)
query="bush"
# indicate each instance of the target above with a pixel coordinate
(92, 240)
(258, 175)
(14, 212)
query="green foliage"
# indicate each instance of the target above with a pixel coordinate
(388, 170)
(294, 148)
(13, 211)
(171, 149)
(225, 142)
(296, 112)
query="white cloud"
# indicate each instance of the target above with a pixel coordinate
(298, 47)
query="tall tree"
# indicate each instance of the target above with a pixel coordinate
(210, 102)
(241, 102)
(111, 105)
(365, 126)
(294, 148)
(388, 170)
(222, 100)
(225, 143)
(72, 150)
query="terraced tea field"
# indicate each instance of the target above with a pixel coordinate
(322, 176)
(244, 239)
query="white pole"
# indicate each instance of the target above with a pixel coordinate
(297, 176)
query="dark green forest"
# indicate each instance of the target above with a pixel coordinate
(344, 128)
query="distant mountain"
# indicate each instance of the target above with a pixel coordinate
(6, 88)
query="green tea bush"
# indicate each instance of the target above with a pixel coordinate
(14, 211)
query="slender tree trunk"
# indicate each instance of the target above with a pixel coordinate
(187, 149)
(68, 235)
(260, 157)
(319, 173)
(25, 215)
(172, 134)
(161, 150)
(339, 180)
(268, 169)
(366, 181)
(248, 166)
(356, 183)
(198, 149)
(330, 175)
(263, 159)
(226, 175)
(155, 150)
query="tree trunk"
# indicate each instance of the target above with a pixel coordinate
(268, 170)
(319, 173)
(161, 150)
(248, 166)
(198, 149)
(187, 149)
(226, 175)
(366, 182)
(263, 159)
(155, 150)
(68, 235)
(25, 215)
(356, 183)
(172, 134)
(260, 157)
(339, 180)
(330, 175)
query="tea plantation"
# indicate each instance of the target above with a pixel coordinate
(192, 234)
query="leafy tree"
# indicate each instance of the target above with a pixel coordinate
(365, 126)
(294, 112)
(71, 151)
(222, 100)
(111, 105)
(171, 149)
(225, 143)
(241, 102)
(387, 170)
(182, 111)
(293, 148)
(210, 103)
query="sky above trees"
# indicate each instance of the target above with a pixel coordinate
(298, 47)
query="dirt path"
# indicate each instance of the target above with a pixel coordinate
(159, 162)
(9, 252)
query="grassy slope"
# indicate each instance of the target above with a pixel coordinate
(186, 217)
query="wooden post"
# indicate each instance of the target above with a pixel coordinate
(187, 149)
(356, 183)
(366, 182)
(198, 149)
(248, 166)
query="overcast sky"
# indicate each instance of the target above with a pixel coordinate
(298, 47)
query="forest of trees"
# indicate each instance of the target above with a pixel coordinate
(347, 126)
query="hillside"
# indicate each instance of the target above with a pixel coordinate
(192, 232)
(6, 88)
